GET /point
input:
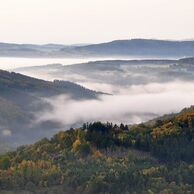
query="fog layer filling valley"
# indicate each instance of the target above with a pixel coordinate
(131, 92)
(139, 91)
(137, 104)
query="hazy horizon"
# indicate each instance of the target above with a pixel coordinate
(86, 21)
(89, 43)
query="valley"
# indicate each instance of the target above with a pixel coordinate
(96, 97)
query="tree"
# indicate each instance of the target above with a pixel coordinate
(122, 127)
(81, 148)
(5, 163)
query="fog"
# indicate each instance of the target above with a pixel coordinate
(114, 77)
(6, 132)
(136, 104)
(8, 63)
(133, 93)
(139, 93)
(150, 88)
(12, 63)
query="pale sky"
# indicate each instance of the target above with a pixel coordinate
(93, 21)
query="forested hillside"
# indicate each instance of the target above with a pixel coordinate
(21, 97)
(20, 84)
(153, 157)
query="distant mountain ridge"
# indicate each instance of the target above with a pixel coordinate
(125, 48)
(140, 47)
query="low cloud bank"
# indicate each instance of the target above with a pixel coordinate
(135, 104)
(175, 86)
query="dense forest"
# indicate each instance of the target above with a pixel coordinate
(150, 158)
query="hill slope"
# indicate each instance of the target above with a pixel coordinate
(106, 158)
(137, 47)
(127, 48)
(21, 97)
(118, 72)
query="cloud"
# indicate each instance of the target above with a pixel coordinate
(6, 132)
(135, 105)
(176, 86)
(104, 87)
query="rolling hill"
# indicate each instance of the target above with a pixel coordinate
(137, 47)
(124, 48)
(21, 97)
(117, 72)
(106, 158)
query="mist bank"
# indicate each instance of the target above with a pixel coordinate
(137, 104)
(141, 90)
(12, 63)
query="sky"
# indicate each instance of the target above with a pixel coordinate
(94, 21)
